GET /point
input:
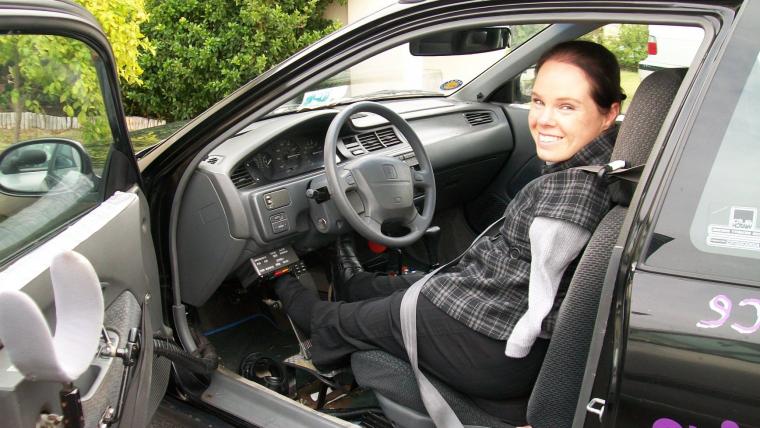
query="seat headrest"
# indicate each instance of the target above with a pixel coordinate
(645, 115)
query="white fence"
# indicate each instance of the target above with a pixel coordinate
(59, 123)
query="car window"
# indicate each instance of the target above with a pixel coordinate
(409, 75)
(54, 136)
(639, 49)
(709, 223)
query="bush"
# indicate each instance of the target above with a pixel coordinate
(206, 49)
(629, 46)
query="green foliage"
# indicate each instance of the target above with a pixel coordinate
(629, 45)
(206, 49)
(52, 75)
(121, 20)
(56, 75)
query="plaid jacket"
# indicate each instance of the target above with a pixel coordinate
(487, 289)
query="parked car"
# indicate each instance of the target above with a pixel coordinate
(660, 324)
(670, 46)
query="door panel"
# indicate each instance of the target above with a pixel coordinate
(116, 239)
(687, 358)
(64, 157)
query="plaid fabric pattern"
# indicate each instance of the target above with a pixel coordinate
(488, 289)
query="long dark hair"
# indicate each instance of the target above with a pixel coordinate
(597, 62)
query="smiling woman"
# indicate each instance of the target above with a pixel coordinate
(576, 97)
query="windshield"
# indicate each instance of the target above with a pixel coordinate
(396, 73)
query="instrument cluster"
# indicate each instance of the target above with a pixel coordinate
(286, 157)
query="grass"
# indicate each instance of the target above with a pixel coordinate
(629, 81)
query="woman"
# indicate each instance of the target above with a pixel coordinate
(483, 324)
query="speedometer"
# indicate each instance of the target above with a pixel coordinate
(287, 157)
(314, 149)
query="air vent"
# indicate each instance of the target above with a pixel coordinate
(388, 137)
(371, 141)
(478, 117)
(241, 177)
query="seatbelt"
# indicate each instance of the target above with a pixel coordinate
(616, 170)
(440, 412)
(622, 180)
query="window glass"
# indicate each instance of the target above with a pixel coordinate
(397, 72)
(727, 219)
(640, 49)
(54, 136)
(709, 222)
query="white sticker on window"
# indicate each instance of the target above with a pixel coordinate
(322, 97)
(740, 233)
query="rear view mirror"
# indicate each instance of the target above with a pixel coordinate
(39, 166)
(462, 42)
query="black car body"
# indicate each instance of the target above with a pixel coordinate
(675, 339)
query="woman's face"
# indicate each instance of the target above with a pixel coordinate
(563, 117)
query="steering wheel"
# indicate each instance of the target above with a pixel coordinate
(384, 185)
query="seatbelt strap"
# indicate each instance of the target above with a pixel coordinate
(440, 412)
(615, 170)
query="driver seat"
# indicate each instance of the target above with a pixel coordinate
(553, 400)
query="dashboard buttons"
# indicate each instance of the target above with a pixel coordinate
(279, 223)
(280, 226)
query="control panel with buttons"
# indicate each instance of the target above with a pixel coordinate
(279, 223)
(278, 262)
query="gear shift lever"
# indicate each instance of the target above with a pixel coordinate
(431, 237)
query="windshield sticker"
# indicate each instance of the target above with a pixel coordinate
(740, 233)
(322, 97)
(450, 85)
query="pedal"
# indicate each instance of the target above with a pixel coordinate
(297, 361)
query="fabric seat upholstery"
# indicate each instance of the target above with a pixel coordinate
(554, 397)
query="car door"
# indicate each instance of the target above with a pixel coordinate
(683, 339)
(69, 182)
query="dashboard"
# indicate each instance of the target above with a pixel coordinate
(249, 194)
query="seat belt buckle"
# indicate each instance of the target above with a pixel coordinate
(613, 166)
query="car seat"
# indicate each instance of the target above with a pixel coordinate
(553, 400)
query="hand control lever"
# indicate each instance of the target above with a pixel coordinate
(431, 238)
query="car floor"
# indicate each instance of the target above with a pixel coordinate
(238, 325)
(244, 329)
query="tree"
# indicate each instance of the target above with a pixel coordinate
(629, 45)
(207, 49)
(55, 75)
(121, 20)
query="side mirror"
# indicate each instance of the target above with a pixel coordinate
(462, 42)
(37, 166)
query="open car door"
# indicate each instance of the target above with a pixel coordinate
(70, 197)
